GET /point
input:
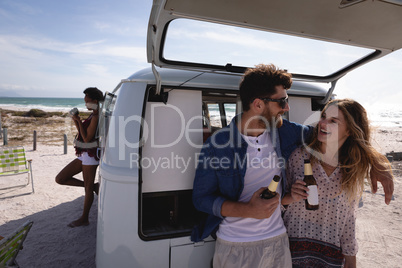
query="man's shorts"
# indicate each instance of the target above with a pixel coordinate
(270, 253)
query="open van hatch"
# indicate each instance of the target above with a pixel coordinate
(187, 27)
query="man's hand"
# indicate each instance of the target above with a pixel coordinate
(257, 207)
(385, 178)
(260, 208)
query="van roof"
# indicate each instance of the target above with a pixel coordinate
(215, 81)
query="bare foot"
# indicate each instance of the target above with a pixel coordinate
(78, 223)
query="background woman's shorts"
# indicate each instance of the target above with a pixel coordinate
(88, 160)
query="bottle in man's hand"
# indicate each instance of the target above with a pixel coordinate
(270, 192)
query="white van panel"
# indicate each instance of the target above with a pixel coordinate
(301, 111)
(122, 142)
(118, 243)
(173, 140)
(192, 255)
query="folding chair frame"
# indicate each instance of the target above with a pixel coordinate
(12, 158)
(12, 244)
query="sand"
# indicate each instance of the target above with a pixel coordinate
(51, 243)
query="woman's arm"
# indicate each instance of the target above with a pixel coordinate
(89, 133)
(297, 193)
(350, 262)
(287, 200)
(295, 188)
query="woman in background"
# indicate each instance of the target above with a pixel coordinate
(86, 150)
(341, 156)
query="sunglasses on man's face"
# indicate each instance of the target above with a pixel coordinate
(282, 102)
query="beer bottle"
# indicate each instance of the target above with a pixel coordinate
(311, 183)
(271, 190)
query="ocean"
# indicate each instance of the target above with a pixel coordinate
(59, 104)
(386, 117)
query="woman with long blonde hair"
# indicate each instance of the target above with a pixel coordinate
(342, 157)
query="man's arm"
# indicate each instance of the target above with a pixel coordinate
(379, 173)
(293, 135)
(206, 196)
(257, 207)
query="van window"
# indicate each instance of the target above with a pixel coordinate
(106, 112)
(214, 115)
(220, 114)
(230, 111)
(200, 42)
(217, 114)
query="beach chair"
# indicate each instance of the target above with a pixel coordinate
(12, 244)
(13, 162)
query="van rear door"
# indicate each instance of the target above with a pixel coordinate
(370, 27)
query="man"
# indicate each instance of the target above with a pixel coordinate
(237, 163)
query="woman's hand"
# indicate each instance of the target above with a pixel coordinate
(76, 117)
(299, 191)
(350, 262)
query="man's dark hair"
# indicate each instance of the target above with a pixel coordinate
(94, 93)
(260, 82)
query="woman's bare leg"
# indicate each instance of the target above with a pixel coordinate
(89, 173)
(65, 176)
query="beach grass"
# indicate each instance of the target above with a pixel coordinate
(50, 126)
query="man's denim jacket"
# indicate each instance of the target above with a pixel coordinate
(221, 168)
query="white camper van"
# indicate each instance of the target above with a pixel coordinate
(155, 122)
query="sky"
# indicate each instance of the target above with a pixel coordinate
(59, 48)
(54, 48)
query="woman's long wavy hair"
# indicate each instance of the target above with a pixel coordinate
(356, 156)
